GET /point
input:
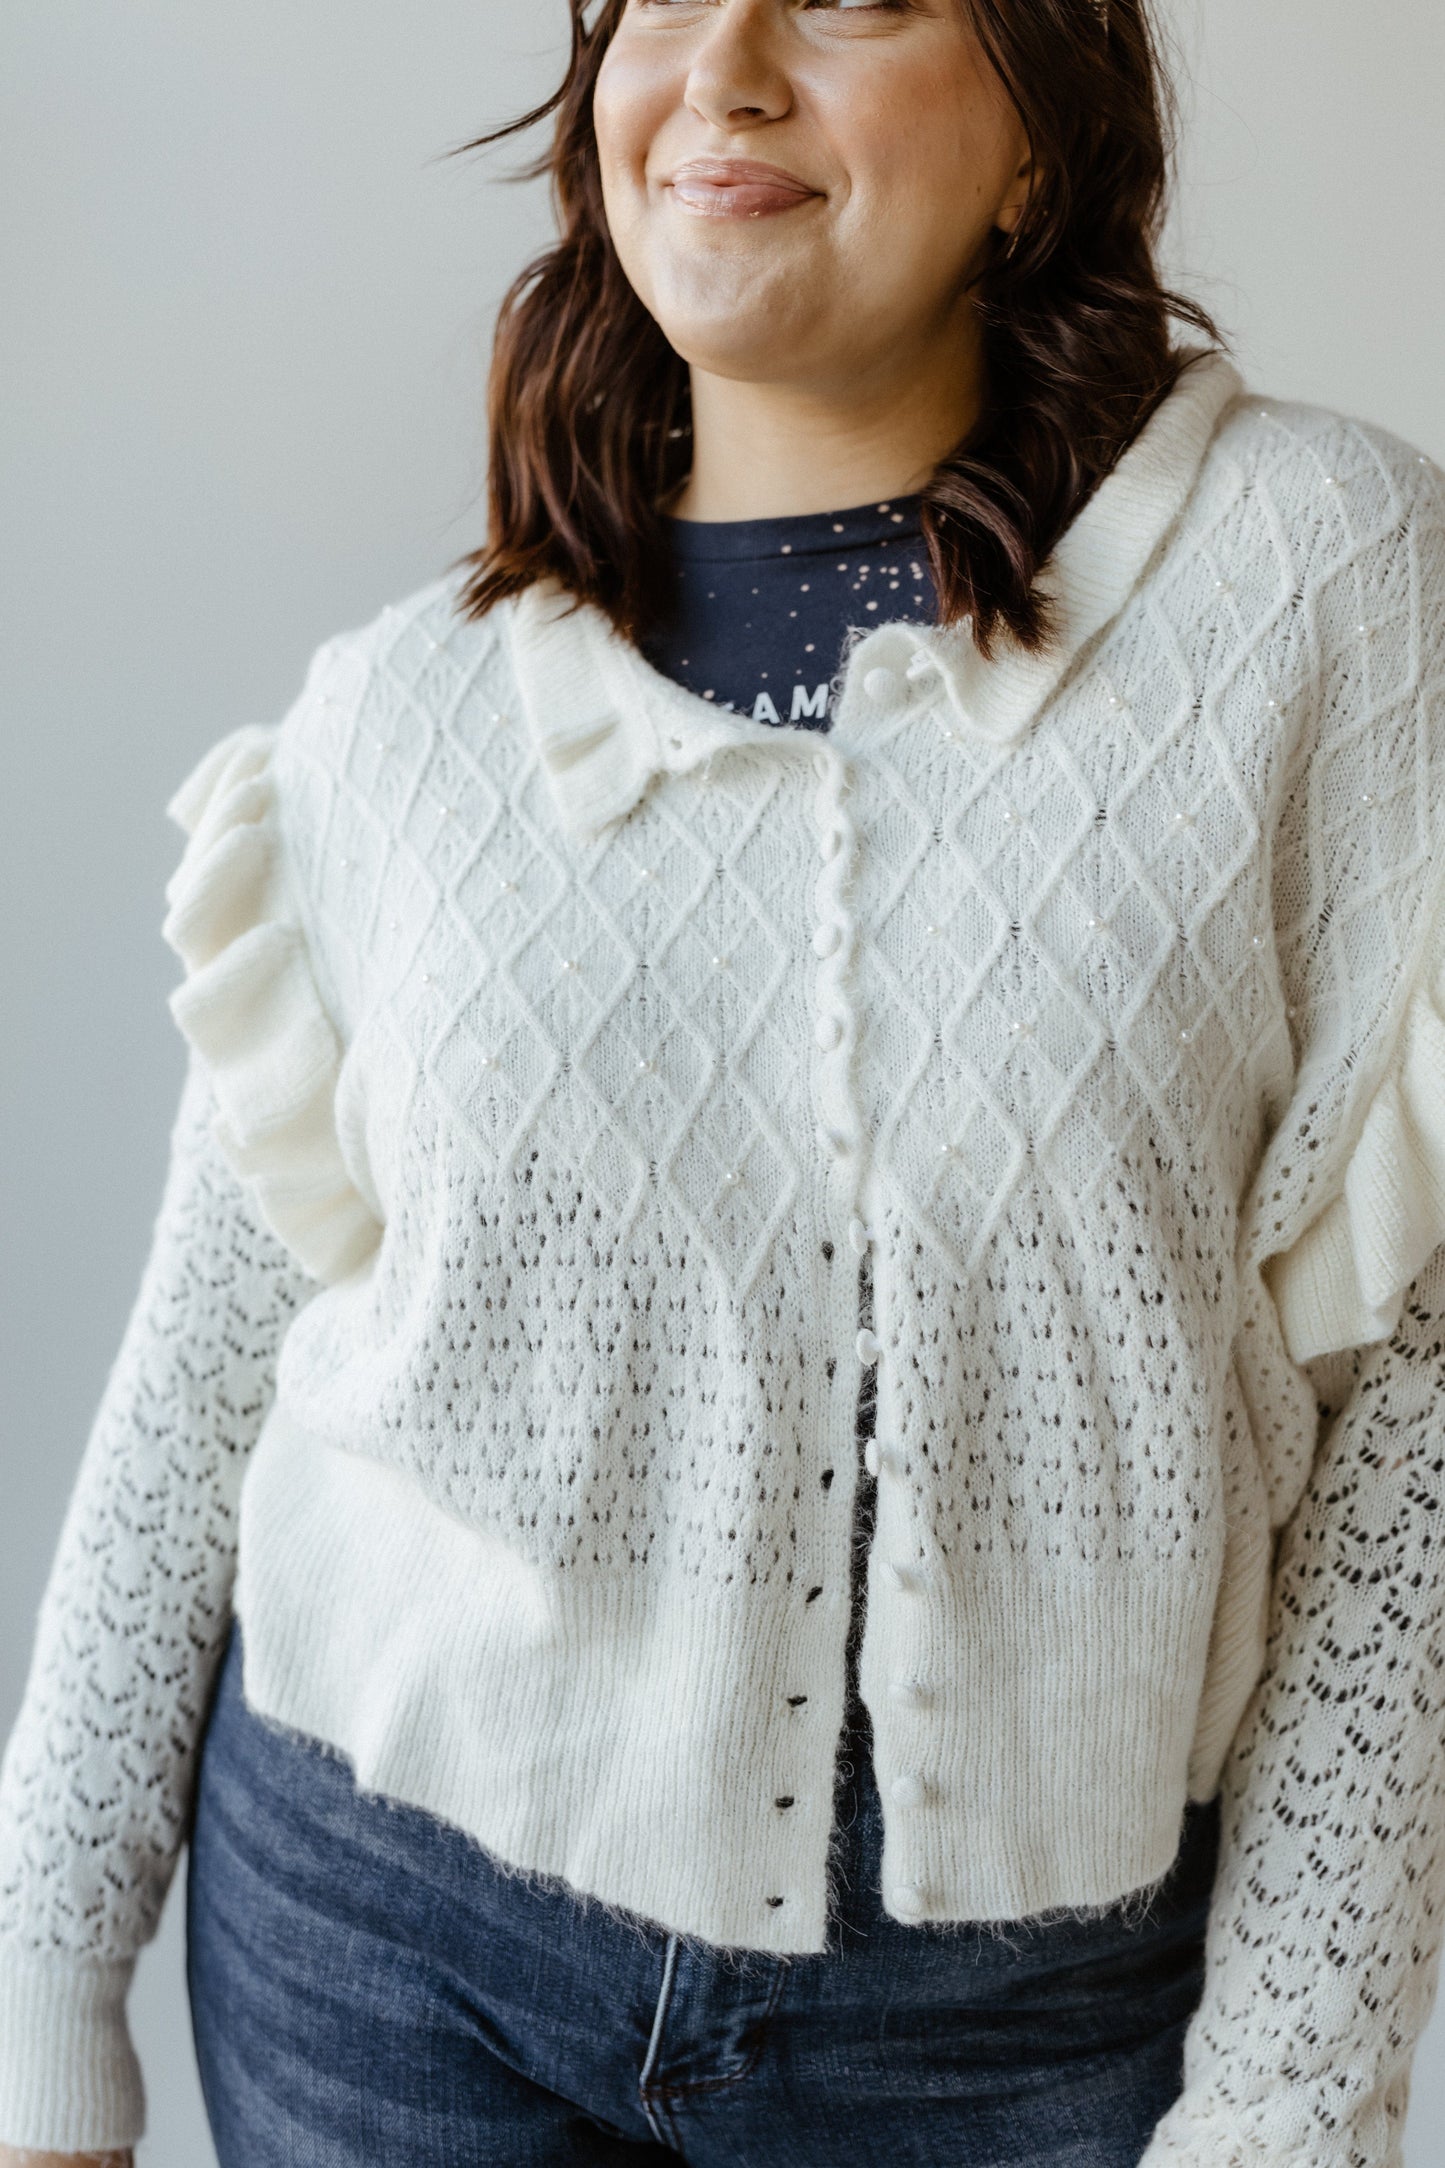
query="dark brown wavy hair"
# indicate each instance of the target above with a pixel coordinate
(589, 406)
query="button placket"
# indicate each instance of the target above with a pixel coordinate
(840, 1129)
(893, 676)
(838, 1126)
(906, 1738)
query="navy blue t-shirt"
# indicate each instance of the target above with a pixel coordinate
(761, 608)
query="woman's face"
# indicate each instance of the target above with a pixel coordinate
(800, 190)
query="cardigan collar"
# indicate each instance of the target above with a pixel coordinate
(606, 724)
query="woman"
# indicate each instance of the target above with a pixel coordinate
(717, 976)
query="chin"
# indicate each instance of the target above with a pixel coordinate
(741, 318)
(752, 337)
(736, 351)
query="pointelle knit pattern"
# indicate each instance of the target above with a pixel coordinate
(560, 1050)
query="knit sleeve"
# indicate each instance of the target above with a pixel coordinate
(1325, 1930)
(259, 1210)
(96, 1778)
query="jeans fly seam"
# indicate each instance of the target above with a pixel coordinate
(654, 2045)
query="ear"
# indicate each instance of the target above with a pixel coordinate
(1018, 193)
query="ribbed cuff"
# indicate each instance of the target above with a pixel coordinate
(69, 2078)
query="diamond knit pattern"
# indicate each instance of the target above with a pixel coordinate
(515, 1222)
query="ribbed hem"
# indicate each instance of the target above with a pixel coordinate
(672, 1751)
(561, 1722)
(69, 2078)
(1056, 1731)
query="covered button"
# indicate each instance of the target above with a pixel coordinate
(885, 688)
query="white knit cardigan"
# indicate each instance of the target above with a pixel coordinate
(560, 1044)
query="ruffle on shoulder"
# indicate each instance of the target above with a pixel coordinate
(1342, 1283)
(250, 1007)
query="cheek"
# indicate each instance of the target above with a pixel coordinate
(632, 100)
(631, 106)
(927, 159)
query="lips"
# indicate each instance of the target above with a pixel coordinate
(738, 188)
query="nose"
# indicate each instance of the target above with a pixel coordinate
(737, 78)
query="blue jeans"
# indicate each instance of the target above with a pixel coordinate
(368, 1987)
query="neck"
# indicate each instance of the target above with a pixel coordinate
(768, 450)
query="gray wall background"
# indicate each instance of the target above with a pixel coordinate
(241, 359)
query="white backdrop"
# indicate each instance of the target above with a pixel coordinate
(242, 353)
